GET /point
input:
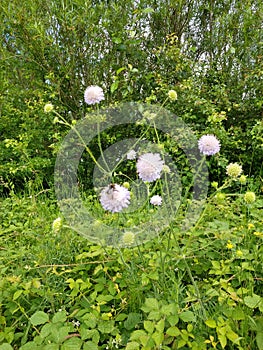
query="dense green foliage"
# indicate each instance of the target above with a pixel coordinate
(211, 53)
(200, 289)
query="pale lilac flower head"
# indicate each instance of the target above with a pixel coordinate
(208, 145)
(93, 94)
(156, 200)
(114, 198)
(131, 154)
(149, 166)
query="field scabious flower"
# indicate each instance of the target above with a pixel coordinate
(128, 238)
(115, 198)
(249, 197)
(243, 179)
(131, 155)
(156, 200)
(208, 145)
(48, 108)
(233, 170)
(149, 166)
(93, 94)
(172, 94)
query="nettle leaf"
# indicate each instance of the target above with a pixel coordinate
(150, 304)
(39, 317)
(132, 346)
(132, 320)
(187, 316)
(136, 335)
(106, 326)
(252, 302)
(148, 326)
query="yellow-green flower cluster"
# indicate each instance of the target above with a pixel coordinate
(172, 94)
(128, 238)
(234, 170)
(249, 197)
(48, 108)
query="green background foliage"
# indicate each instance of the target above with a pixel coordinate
(209, 52)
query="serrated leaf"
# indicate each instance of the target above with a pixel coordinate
(238, 314)
(160, 326)
(158, 338)
(6, 346)
(173, 331)
(152, 304)
(253, 301)
(148, 326)
(106, 326)
(89, 345)
(210, 323)
(60, 316)
(46, 330)
(136, 335)
(168, 309)
(132, 346)
(39, 317)
(132, 320)
(187, 316)
(72, 344)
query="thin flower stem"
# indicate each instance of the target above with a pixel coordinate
(83, 142)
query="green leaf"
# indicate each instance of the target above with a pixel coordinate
(39, 317)
(121, 317)
(114, 86)
(160, 326)
(173, 331)
(173, 319)
(72, 344)
(51, 347)
(106, 326)
(253, 301)
(89, 345)
(223, 340)
(132, 320)
(60, 316)
(154, 315)
(152, 304)
(210, 323)
(46, 330)
(259, 340)
(148, 326)
(238, 314)
(158, 338)
(17, 294)
(136, 335)
(169, 309)
(231, 335)
(187, 316)
(6, 346)
(132, 346)
(30, 346)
